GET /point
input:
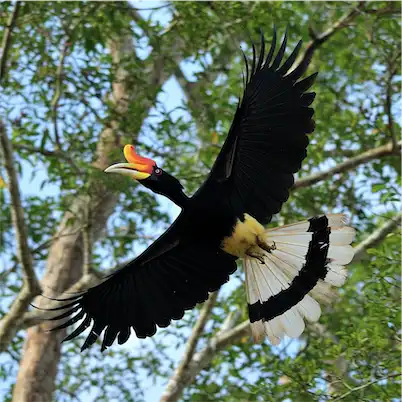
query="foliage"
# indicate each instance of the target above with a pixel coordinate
(57, 99)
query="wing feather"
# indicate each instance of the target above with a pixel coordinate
(281, 52)
(271, 49)
(264, 148)
(267, 141)
(148, 293)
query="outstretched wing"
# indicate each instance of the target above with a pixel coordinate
(268, 137)
(158, 286)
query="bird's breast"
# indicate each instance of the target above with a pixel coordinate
(215, 222)
(244, 236)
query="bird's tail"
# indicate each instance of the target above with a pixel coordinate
(306, 260)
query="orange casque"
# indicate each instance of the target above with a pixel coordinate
(145, 165)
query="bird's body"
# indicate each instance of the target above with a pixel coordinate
(286, 268)
(213, 221)
(198, 215)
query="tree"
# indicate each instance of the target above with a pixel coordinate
(80, 80)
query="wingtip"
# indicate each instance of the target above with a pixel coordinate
(60, 300)
(87, 343)
(286, 31)
(271, 49)
(278, 59)
(83, 347)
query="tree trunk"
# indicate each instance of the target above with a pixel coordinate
(41, 355)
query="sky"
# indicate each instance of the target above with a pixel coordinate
(172, 96)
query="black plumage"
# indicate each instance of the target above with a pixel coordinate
(252, 175)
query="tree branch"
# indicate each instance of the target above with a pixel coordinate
(39, 315)
(49, 153)
(192, 90)
(219, 342)
(177, 382)
(388, 110)
(319, 39)
(224, 339)
(36, 250)
(203, 358)
(58, 92)
(65, 259)
(384, 150)
(365, 385)
(393, 65)
(392, 9)
(5, 46)
(87, 241)
(377, 236)
(31, 287)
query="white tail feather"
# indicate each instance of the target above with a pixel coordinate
(341, 254)
(273, 329)
(284, 263)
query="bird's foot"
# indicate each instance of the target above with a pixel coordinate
(265, 246)
(259, 257)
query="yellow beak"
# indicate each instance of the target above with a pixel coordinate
(129, 169)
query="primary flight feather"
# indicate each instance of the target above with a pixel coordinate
(286, 268)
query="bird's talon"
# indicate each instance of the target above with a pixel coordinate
(257, 256)
(265, 246)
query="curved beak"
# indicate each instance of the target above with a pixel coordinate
(133, 170)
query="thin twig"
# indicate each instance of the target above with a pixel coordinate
(59, 75)
(58, 91)
(390, 10)
(43, 151)
(37, 249)
(318, 40)
(49, 153)
(36, 317)
(152, 8)
(60, 67)
(349, 164)
(87, 241)
(388, 110)
(388, 98)
(23, 251)
(5, 46)
(31, 286)
(367, 384)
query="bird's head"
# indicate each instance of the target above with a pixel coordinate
(146, 172)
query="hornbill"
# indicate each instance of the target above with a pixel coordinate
(286, 268)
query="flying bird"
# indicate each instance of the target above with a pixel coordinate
(287, 268)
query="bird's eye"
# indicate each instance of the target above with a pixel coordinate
(158, 171)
